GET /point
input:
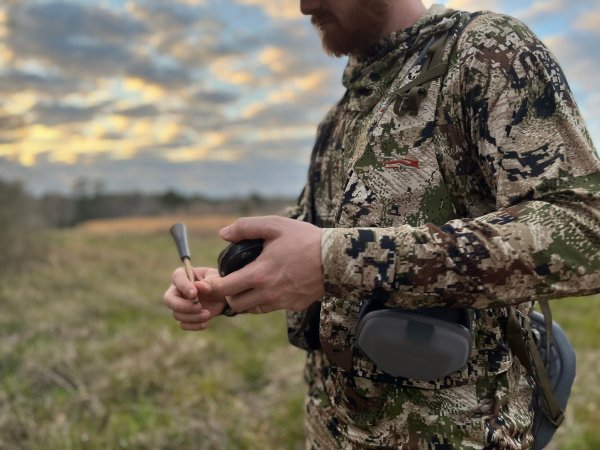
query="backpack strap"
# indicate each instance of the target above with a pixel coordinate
(523, 344)
(410, 96)
(435, 65)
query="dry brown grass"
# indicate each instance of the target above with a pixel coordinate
(91, 359)
(156, 225)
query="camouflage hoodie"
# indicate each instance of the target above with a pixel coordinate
(489, 196)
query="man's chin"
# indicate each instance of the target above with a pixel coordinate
(336, 52)
(336, 42)
(339, 49)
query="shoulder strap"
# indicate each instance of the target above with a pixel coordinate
(410, 96)
(522, 343)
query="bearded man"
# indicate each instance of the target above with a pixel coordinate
(455, 173)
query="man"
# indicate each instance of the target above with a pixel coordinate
(478, 189)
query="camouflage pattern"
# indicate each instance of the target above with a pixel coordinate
(488, 197)
(353, 412)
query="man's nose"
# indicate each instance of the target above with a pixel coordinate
(309, 6)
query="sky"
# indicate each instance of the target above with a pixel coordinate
(217, 97)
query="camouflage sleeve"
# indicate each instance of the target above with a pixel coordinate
(518, 117)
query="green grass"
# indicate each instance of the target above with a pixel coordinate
(91, 359)
(579, 318)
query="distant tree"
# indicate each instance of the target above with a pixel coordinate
(82, 192)
(173, 200)
(57, 210)
(18, 223)
(251, 204)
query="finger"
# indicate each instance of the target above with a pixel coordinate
(174, 302)
(234, 283)
(262, 309)
(215, 308)
(201, 272)
(203, 316)
(249, 300)
(193, 326)
(203, 287)
(250, 228)
(183, 284)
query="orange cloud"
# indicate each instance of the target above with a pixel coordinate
(474, 5)
(232, 70)
(148, 92)
(277, 9)
(590, 21)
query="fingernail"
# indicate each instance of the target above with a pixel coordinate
(225, 232)
(191, 293)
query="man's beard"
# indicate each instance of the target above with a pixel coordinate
(359, 32)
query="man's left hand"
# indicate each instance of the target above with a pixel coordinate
(286, 275)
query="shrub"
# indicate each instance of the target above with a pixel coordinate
(18, 226)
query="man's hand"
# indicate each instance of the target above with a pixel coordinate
(181, 293)
(286, 275)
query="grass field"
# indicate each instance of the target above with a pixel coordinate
(91, 359)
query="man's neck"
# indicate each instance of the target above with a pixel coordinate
(403, 14)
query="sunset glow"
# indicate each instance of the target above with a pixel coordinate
(212, 96)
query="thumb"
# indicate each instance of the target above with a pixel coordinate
(249, 228)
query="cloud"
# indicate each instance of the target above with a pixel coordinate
(277, 9)
(539, 9)
(198, 95)
(72, 37)
(112, 136)
(48, 84)
(149, 173)
(589, 21)
(166, 16)
(215, 97)
(146, 110)
(54, 113)
(11, 122)
(576, 56)
(171, 76)
(88, 42)
(474, 5)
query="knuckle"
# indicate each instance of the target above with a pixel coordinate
(169, 298)
(237, 308)
(274, 224)
(217, 287)
(233, 304)
(239, 225)
(176, 274)
(259, 277)
(271, 296)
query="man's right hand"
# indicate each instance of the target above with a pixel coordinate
(180, 295)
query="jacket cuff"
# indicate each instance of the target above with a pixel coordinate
(356, 261)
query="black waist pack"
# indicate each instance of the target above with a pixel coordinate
(422, 344)
(549, 359)
(561, 367)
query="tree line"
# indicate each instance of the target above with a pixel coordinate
(22, 215)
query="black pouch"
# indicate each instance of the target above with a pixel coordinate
(561, 365)
(422, 344)
(303, 327)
